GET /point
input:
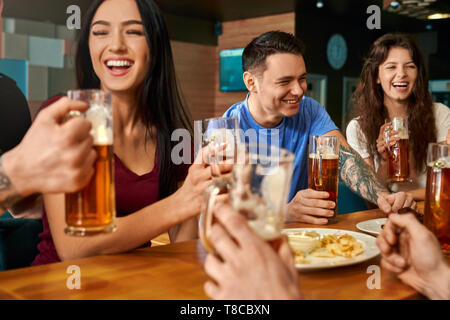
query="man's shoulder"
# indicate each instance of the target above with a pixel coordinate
(235, 110)
(308, 109)
(310, 103)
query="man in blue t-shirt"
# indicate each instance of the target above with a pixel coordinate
(276, 108)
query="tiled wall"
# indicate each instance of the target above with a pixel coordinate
(49, 50)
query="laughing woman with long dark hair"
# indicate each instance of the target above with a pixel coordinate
(124, 49)
(394, 83)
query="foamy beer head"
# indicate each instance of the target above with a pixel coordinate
(99, 113)
(326, 156)
(401, 126)
(100, 117)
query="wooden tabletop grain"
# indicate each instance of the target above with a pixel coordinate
(175, 271)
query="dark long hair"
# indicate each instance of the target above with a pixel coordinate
(161, 104)
(369, 99)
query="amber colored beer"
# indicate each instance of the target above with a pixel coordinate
(437, 205)
(397, 161)
(92, 209)
(329, 180)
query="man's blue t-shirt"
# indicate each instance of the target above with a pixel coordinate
(292, 133)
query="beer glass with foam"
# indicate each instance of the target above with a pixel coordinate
(220, 136)
(92, 210)
(398, 154)
(323, 167)
(437, 196)
(258, 190)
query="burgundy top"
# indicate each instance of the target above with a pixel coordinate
(133, 192)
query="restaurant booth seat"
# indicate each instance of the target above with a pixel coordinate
(348, 201)
(18, 241)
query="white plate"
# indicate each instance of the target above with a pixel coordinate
(371, 226)
(368, 242)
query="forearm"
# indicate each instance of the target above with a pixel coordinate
(438, 288)
(132, 231)
(358, 175)
(184, 231)
(8, 193)
(382, 170)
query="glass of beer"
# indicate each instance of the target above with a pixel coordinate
(398, 154)
(220, 136)
(92, 210)
(437, 196)
(259, 189)
(323, 167)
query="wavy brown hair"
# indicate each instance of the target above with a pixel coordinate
(368, 99)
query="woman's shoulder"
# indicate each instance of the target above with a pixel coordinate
(440, 108)
(353, 125)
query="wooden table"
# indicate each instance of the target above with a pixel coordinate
(176, 272)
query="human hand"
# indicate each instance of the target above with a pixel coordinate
(411, 251)
(448, 137)
(391, 203)
(54, 156)
(199, 177)
(310, 206)
(383, 145)
(249, 268)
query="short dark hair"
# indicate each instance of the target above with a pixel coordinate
(256, 52)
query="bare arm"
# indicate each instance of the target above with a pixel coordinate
(186, 230)
(133, 230)
(356, 173)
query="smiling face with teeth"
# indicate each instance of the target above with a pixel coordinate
(277, 91)
(118, 47)
(397, 76)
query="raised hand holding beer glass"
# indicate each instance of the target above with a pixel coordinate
(323, 167)
(92, 209)
(437, 196)
(258, 190)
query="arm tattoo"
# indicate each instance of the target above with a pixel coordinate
(8, 194)
(359, 176)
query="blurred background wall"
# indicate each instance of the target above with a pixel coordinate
(34, 35)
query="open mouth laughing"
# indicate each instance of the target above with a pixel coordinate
(119, 66)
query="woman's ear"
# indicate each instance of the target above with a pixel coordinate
(249, 81)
